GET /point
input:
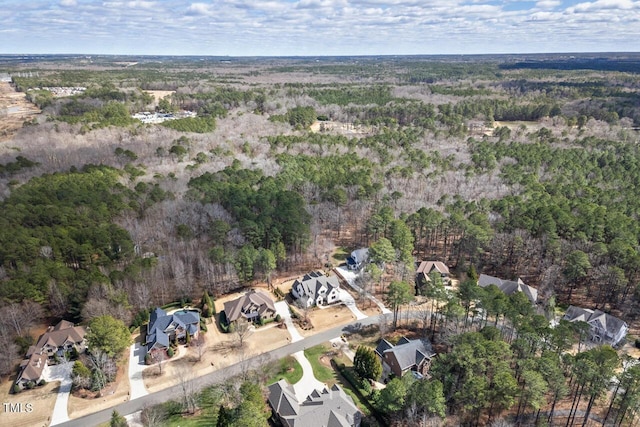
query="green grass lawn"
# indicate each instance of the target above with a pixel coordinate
(322, 373)
(339, 256)
(288, 369)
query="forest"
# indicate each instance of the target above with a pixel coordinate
(515, 167)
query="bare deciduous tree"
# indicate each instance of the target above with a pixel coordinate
(242, 328)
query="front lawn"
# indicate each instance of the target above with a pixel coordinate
(322, 372)
(288, 369)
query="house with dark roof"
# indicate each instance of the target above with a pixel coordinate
(164, 328)
(358, 259)
(425, 268)
(406, 356)
(62, 338)
(253, 306)
(509, 287)
(322, 408)
(316, 288)
(603, 328)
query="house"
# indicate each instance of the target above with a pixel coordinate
(407, 355)
(425, 268)
(58, 340)
(316, 289)
(358, 259)
(31, 370)
(603, 328)
(253, 306)
(509, 287)
(329, 407)
(164, 328)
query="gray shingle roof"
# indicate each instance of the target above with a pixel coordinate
(509, 287)
(596, 318)
(159, 322)
(326, 408)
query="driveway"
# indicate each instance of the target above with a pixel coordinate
(350, 277)
(221, 375)
(348, 300)
(136, 366)
(308, 382)
(62, 373)
(282, 308)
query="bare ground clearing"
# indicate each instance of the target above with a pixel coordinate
(14, 111)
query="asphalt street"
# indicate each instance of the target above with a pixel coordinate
(220, 376)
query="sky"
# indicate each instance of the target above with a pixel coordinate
(317, 27)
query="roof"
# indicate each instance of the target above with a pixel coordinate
(596, 318)
(358, 256)
(32, 368)
(60, 334)
(509, 287)
(322, 408)
(427, 267)
(159, 322)
(313, 282)
(257, 301)
(407, 353)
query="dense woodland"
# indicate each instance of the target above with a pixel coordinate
(495, 165)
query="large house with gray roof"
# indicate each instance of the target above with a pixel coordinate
(509, 287)
(164, 328)
(253, 306)
(603, 328)
(322, 408)
(406, 356)
(316, 288)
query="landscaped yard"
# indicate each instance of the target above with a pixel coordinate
(288, 369)
(320, 357)
(322, 371)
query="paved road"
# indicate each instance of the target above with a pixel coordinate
(216, 377)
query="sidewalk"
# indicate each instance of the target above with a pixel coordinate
(283, 310)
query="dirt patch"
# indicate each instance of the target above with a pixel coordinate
(14, 111)
(328, 318)
(115, 392)
(41, 400)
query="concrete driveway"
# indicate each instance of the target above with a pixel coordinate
(282, 308)
(308, 382)
(348, 300)
(350, 277)
(136, 366)
(62, 373)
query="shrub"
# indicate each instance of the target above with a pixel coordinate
(203, 327)
(42, 382)
(278, 318)
(147, 359)
(170, 352)
(16, 389)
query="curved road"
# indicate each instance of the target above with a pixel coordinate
(216, 377)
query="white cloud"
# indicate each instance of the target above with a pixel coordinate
(548, 4)
(68, 3)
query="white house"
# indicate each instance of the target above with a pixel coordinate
(316, 289)
(603, 328)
